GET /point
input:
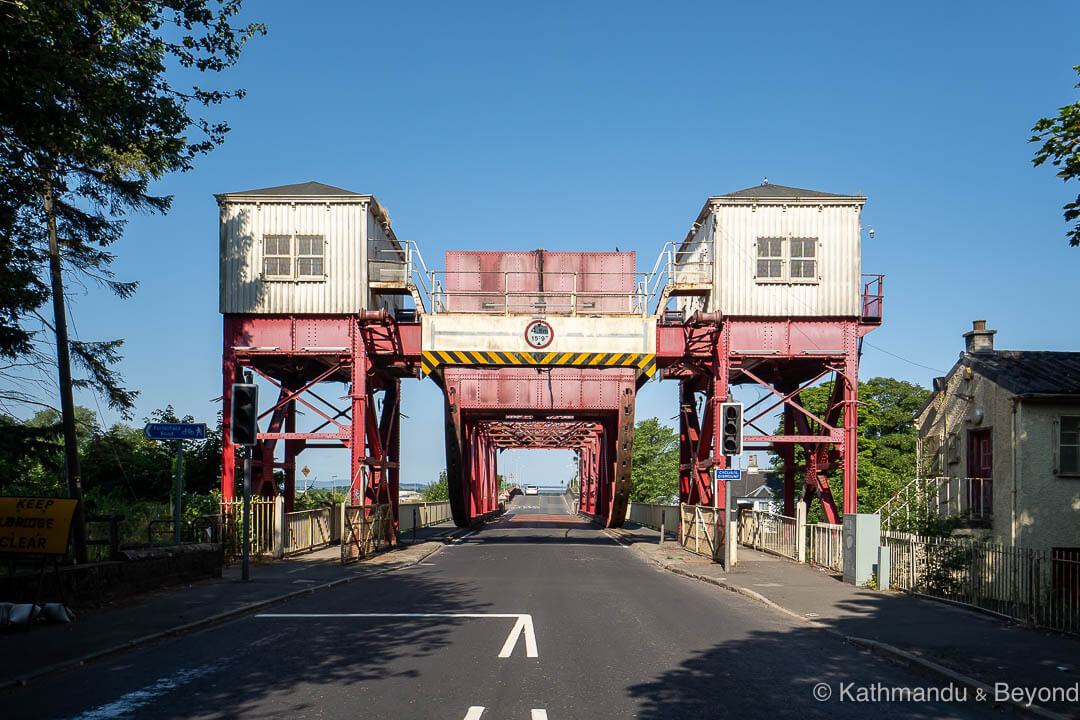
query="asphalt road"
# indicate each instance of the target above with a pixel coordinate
(538, 615)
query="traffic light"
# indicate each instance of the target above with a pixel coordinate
(244, 421)
(731, 427)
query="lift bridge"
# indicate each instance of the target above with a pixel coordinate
(544, 349)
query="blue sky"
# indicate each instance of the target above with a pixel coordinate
(595, 125)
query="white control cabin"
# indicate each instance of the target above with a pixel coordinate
(306, 249)
(775, 251)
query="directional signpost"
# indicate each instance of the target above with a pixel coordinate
(727, 475)
(179, 432)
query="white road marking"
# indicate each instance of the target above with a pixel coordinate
(538, 714)
(468, 534)
(523, 626)
(130, 702)
(474, 712)
(617, 540)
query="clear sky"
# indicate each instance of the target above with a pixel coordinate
(595, 125)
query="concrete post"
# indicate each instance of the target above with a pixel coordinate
(341, 523)
(800, 531)
(279, 526)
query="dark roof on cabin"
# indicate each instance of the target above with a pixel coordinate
(1028, 372)
(306, 189)
(780, 191)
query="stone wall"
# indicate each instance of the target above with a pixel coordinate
(142, 570)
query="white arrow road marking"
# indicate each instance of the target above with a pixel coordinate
(523, 626)
(474, 712)
(538, 714)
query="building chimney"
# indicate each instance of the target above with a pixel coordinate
(753, 466)
(979, 339)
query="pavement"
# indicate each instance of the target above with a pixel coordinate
(48, 649)
(954, 643)
(539, 614)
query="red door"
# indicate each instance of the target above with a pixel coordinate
(980, 468)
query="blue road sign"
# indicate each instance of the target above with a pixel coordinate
(175, 431)
(728, 474)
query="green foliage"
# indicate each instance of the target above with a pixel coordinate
(316, 498)
(92, 114)
(116, 463)
(1060, 138)
(655, 473)
(437, 491)
(886, 443)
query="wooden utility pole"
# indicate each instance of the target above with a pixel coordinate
(63, 360)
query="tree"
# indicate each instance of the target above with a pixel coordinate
(437, 491)
(886, 442)
(90, 117)
(655, 474)
(1060, 138)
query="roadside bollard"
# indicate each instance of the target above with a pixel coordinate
(415, 522)
(661, 528)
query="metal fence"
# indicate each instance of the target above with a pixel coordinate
(702, 529)
(418, 515)
(824, 545)
(925, 498)
(262, 526)
(1032, 586)
(366, 530)
(776, 534)
(658, 517)
(308, 529)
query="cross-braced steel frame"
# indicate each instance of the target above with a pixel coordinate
(710, 355)
(299, 356)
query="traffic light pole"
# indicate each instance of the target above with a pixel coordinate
(246, 543)
(177, 510)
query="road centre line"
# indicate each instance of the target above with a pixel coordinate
(523, 626)
(477, 711)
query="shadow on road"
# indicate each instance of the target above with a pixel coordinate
(769, 674)
(273, 667)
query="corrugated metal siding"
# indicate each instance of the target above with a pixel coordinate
(243, 226)
(838, 290)
(691, 261)
(386, 263)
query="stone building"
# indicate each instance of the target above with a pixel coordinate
(1004, 425)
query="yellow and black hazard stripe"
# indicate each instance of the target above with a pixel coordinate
(432, 359)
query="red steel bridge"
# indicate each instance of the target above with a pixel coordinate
(546, 349)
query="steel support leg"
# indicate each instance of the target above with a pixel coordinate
(358, 396)
(230, 370)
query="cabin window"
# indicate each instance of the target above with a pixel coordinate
(277, 256)
(1069, 445)
(803, 262)
(792, 260)
(288, 257)
(770, 258)
(309, 256)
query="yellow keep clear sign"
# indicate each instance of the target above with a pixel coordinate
(35, 525)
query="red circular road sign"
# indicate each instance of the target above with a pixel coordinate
(539, 334)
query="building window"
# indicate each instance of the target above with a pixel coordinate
(770, 258)
(803, 258)
(277, 257)
(1069, 446)
(287, 257)
(309, 256)
(792, 260)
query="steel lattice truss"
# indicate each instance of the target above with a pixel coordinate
(539, 434)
